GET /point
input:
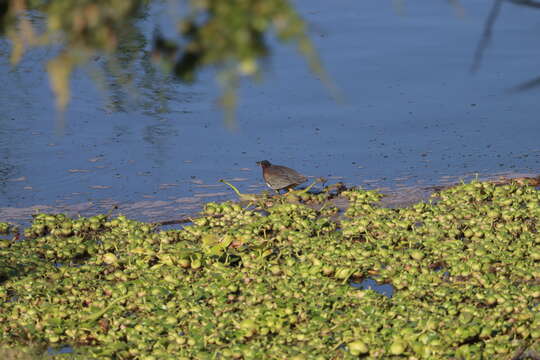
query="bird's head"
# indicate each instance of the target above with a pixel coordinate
(264, 163)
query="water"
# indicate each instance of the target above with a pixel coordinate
(370, 284)
(59, 351)
(412, 115)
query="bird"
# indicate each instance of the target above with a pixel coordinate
(279, 177)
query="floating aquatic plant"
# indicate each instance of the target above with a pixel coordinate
(274, 281)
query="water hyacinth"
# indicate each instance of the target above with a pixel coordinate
(274, 280)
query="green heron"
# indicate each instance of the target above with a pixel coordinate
(279, 177)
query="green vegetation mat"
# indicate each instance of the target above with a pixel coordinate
(272, 280)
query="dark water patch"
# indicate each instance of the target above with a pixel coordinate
(370, 284)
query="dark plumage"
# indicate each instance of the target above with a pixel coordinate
(279, 177)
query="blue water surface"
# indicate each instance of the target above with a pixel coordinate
(411, 114)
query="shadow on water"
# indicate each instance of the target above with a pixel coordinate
(370, 284)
